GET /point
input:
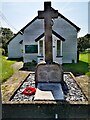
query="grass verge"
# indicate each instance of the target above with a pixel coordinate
(80, 68)
(6, 69)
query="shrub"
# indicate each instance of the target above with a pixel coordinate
(88, 74)
(2, 51)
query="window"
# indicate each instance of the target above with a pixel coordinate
(31, 48)
(41, 47)
(58, 47)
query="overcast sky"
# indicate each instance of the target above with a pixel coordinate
(15, 15)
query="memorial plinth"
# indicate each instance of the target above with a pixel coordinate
(48, 78)
(49, 73)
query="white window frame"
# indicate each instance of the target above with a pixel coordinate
(60, 47)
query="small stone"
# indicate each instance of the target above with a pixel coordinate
(74, 92)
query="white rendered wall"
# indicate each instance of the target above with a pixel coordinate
(30, 34)
(15, 48)
(69, 47)
(63, 28)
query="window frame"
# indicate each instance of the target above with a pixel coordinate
(58, 49)
(32, 51)
(41, 48)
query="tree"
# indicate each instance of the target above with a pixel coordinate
(5, 36)
(83, 43)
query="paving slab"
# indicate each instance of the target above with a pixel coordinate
(49, 91)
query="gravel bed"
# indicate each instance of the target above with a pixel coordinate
(30, 82)
(74, 92)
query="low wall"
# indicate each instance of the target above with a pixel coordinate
(34, 110)
(46, 110)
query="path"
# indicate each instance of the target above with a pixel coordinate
(12, 83)
(83, 82)
(17, 66)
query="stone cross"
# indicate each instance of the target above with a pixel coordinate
(48, 14)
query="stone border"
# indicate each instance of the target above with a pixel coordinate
(78, 85)
(45, 101)
(19, 85)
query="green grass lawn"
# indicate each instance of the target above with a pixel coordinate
(82, 67)
(84, 57)
(6, 69)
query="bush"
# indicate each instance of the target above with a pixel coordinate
(33, 63)
(88, 74)
(2, 51)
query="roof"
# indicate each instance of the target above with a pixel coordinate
(22, 30)
(29, 24)
(59, 14)
(77, 28)
(56, 34)
(14, 37)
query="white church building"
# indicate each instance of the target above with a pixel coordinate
(29, 41)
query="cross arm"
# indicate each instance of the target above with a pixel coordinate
(41, 14)
(54, 13)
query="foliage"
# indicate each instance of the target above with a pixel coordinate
(6, 35)
(33, 63)
(83, 43)
(6, 68)
(88, 73)
(2, 51)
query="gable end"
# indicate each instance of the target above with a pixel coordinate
(56, 34)
(59, 14)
